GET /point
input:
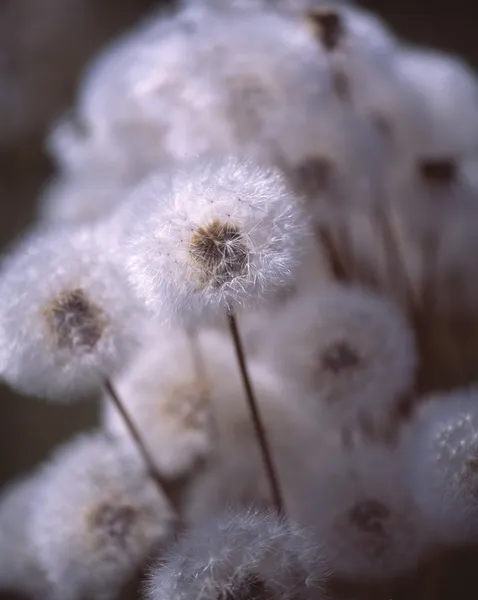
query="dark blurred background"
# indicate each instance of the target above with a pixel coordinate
(44, 45)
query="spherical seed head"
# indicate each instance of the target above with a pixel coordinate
(353, 349)
(19, 566)
(190, 83)
(219, 234)
(241, 555)
(364, 514)
(68, 319)
(443, 454)
(450, 118)
(97, 517)
(169, 396)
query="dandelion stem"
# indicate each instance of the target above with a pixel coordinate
(255, 414)
(165, 487)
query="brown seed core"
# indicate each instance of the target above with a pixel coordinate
(442, 171)
(74, 321)
(312, 176)
(328, 26)
(338, 357)
(114, 521)
(369, 517)
(220, 252)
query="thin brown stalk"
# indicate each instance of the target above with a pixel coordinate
(257, 422)
(164, 486)
(332, 255)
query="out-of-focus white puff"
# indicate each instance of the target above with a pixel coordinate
(97, 518)
(452, 117)
(84, 197)
(247, 554)
(67, 316)
(218, 234)
(196, 82)
(351, 349)
(234, 472)
(19, 566)
(169, 398)
(360, 507)
(442, 449)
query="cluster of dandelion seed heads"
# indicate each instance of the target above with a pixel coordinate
(292, 172)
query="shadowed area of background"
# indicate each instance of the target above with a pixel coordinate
(42, 53)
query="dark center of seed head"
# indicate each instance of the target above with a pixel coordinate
(338, 357)
(369, 516)
(329, 27)
(220, 252)
(440, 171)
(75, 322)
(114, 521)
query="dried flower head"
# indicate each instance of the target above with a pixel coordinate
(353, 349)
(241, 555)
(364, 514)
(443, 454)
(20, 571)
(67, 319)
(218, 234)
(97, 518)
(168, 397)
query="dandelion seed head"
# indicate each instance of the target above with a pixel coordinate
(364, 513)
(232, 473)
(81, 198)
(242, 555)
(170, 401)
(98, 516)
(189, 83)
(219, 234)
(68, 319)
(352, 349)
(19, 566)
(444, 447)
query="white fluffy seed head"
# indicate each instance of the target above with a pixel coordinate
(443, 454)
(352, 349)
(97, 518)
(220, 234)
(19, 566)
(67, 317)
(195, 82)
(451, 118)
(360, 507)
(247, 554)
(168, 396)
(233, 472)
(359, 46)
